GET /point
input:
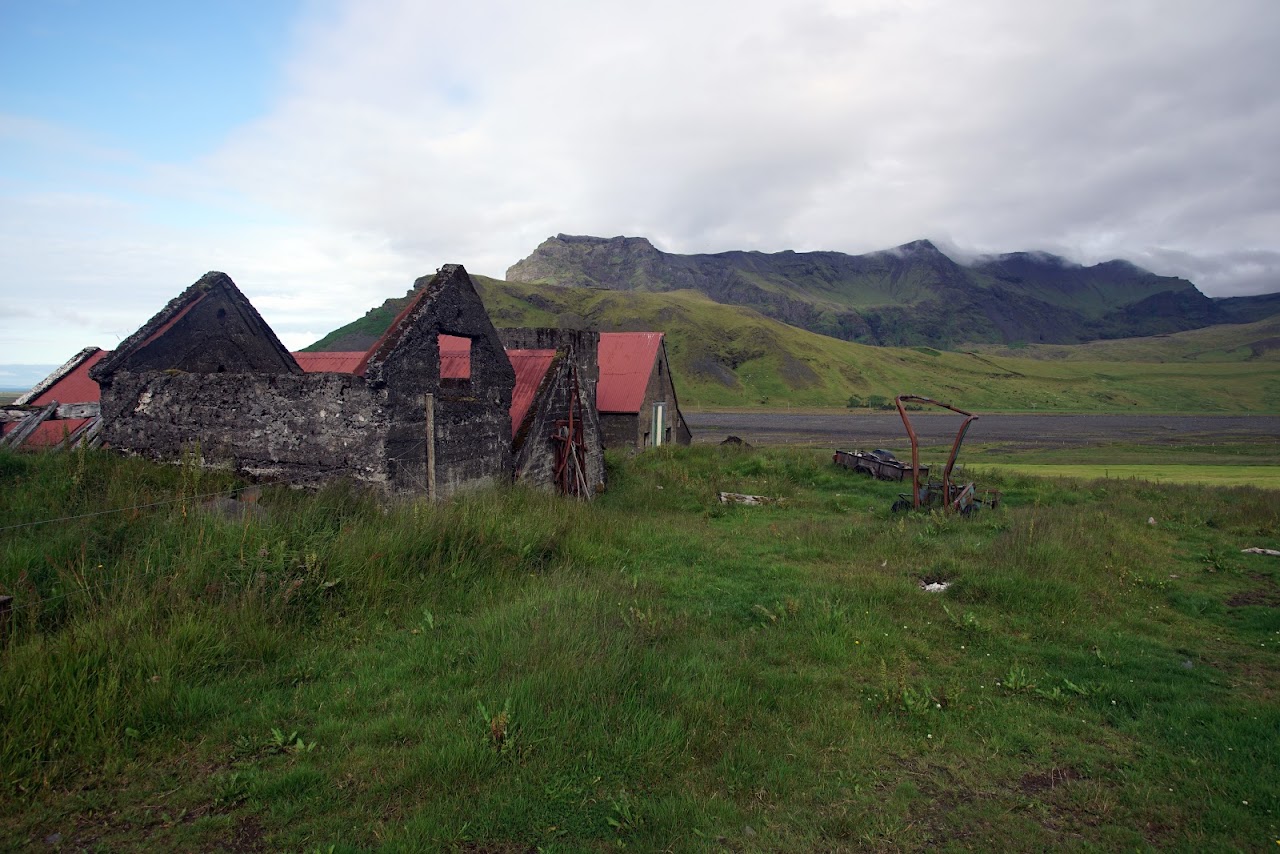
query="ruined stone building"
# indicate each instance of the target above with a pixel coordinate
(638, 406)
(441, 402)
(427, 409)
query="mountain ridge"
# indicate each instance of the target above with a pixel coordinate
(909, 295)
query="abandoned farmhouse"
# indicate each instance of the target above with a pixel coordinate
(442, 402)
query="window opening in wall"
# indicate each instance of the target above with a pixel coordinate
(659, 421)
(455, 360)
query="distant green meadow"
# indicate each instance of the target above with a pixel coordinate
(1263, 477)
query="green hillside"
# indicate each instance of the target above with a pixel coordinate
(1223, 343)
(728, 356)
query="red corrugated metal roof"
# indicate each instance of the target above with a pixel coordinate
(75, 387)
(335, 362)
(454, 344)
(52, 432)
(626, 361)
(530, 367)
(455, 357)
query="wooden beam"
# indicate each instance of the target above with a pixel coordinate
(81, 434)
(430, 405)
(28, 426)
(78, 410)
(66, 410)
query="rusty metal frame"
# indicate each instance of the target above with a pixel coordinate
(969, 418)
(571, 454)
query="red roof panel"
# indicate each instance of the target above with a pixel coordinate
(530, 367)
(334, 362)
(53, 431)
(75, 387)
(626, 361)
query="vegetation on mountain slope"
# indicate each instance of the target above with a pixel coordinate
(913, 294)
(731, 356)
(1244, 342)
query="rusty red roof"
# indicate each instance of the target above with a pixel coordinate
(455, 357)
(334, 362)
(530, 367)
(626, 362)
(74, 387)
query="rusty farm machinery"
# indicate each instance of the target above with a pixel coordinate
(945, 494)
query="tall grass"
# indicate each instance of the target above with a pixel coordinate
(654, 670)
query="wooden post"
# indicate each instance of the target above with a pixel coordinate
(431, 446)
(6, 611)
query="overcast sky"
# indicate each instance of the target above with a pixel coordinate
(324, 154)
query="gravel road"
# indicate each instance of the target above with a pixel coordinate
(885, 429)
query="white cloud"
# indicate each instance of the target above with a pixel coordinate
(470, 132)
(407, 134)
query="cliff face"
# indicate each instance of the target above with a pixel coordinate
(910, 295)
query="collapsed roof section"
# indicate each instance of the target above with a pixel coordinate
(76, 398)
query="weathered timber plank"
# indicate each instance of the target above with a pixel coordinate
(66, 410)
(28, 426)
(85, 432)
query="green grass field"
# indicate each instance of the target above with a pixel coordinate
(1237, 463)
(652, 671)
(1263, 477)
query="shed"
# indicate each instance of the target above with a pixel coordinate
(637, 399)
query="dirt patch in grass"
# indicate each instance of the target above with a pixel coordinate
(248, 836)
(1267, 595)
(1035, 782)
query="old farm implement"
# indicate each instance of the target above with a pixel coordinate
(880, 464)
(963, 498)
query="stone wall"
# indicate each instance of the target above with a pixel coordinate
(620, 430)
(536, 449)
(279, 425)
(470, 419)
